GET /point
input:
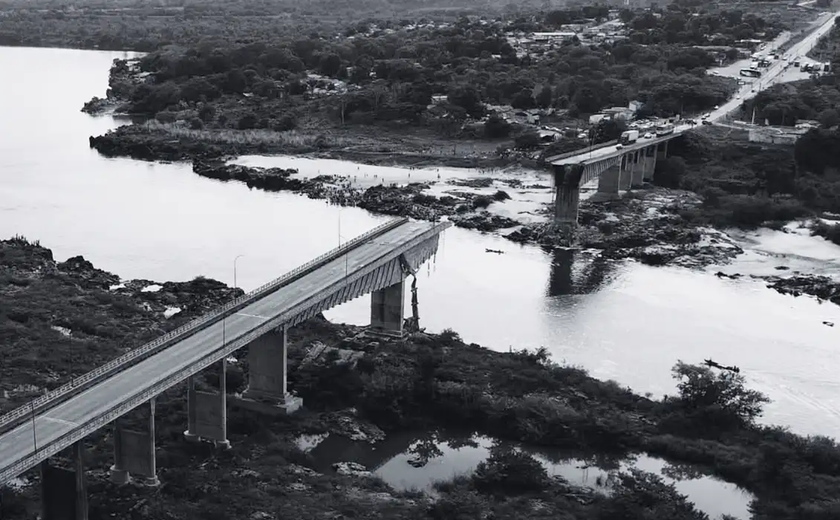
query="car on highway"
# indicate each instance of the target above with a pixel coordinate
(706, 122)
(648, 136)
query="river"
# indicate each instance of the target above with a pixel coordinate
(624, 321)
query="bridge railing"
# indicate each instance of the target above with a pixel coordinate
(135, 355)
(582, 151)
(130, 402)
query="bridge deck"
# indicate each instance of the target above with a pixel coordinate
(17, 444)
(609, 152)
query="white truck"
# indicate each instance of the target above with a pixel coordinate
(630, 136)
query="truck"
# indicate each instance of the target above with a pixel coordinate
(630, 136)
(663, 130)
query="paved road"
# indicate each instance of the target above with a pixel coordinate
(774, 74)
(18, 443)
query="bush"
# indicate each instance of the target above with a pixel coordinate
(247, 122)
(716, 400)
(496, 127)
(196, 123)
(165, 117)
(508, 472)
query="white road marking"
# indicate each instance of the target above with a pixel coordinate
(61, 421)
(251, 316)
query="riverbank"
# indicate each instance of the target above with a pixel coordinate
(367, 388)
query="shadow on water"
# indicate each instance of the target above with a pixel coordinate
(577, 272)
(418, 460)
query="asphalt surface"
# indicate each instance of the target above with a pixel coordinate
(775, 73)
(105, 396)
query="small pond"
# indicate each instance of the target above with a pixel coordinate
(410, 461)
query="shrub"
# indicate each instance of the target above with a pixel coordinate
(508, 472)
(716, 400)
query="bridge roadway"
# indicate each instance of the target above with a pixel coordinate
(609, 152)
(106, 396)
(772, 75)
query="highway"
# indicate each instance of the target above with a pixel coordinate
(772, 75)
(775, 72)
(108, 394)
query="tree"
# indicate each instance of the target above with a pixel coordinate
(329, 64)
(607, 130)
(467, 97)
(545, 97)
(496, 127)
(829, 118)
(523, 100)
(527, 141)
(717, 398)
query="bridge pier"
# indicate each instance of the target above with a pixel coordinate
(64, 492)
(649, 163)
(207, 412)
(608, 184)
(387, 308)
(268, 375)
(638, 176)
(567, 198)
(662, 150)
(134, 453)
(626, 176)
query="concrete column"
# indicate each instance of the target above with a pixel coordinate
(662, 150)
(81, 481)
(119, 475)
(134, 453)
(268, 375)
(626, 175)
(608, 184)
(650, 163)
(151, 479)
(387, 308)
(223, 441)
(64, 492)
(566, 204)
(638, 169)
(191, 435)
(567, 196)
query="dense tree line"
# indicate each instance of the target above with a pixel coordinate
(695, 25)
(392, 74)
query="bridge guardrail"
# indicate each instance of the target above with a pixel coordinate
(193, 326)
(129, 403)
(582, 151)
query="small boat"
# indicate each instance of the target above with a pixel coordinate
(713, 364)
(497, 251)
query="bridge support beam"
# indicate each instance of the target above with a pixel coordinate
(662, 150)
(638, 176)
(567, 198)
(268, 375)
(134, 453)
(207, 412)
(608, 184)
(626, 175)
(649, 163)
(387, 308)
(64, 492)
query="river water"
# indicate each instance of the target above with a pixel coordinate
(623, 321)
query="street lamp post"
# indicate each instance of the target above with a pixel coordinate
(234, 270)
